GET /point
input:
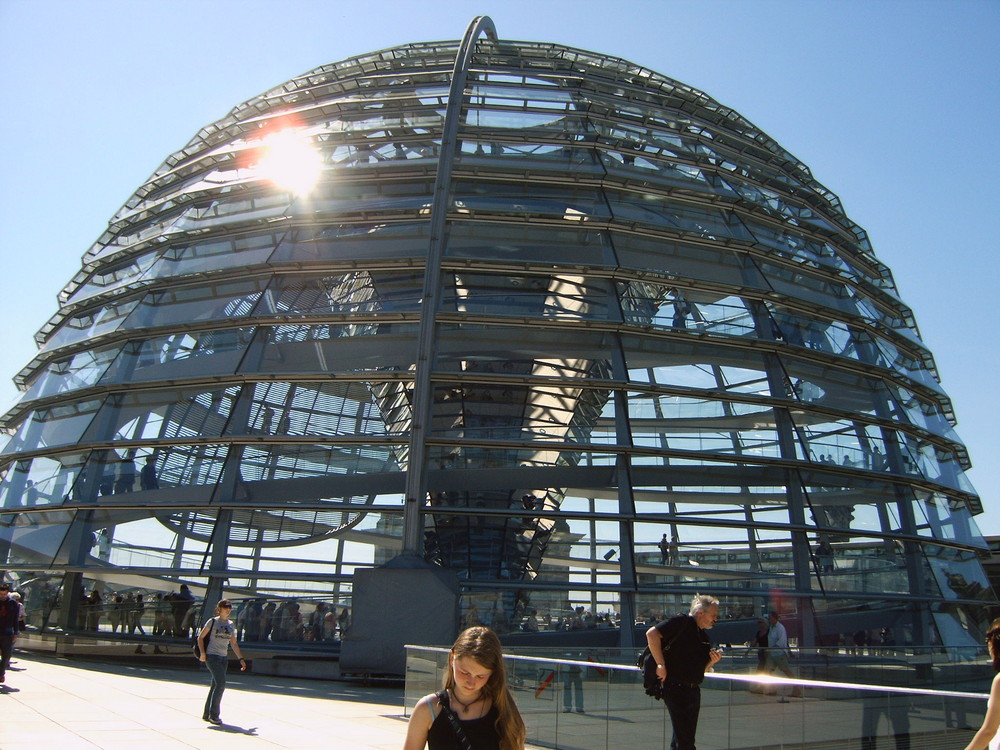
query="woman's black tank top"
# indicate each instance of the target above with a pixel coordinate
(482, 733)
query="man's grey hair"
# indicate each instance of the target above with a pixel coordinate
(702, 602)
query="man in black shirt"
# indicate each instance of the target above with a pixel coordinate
(9, 615)
(683, 654)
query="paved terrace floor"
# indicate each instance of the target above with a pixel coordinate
(60, 704)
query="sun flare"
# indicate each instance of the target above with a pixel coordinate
(290, 161)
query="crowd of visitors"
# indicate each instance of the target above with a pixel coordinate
(176, 614)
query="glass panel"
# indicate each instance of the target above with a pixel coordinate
(193, 304)
(818, 384)
(82, 370)
(572, 204)
(906, 405)
(61, 424)
(838, 713)
(189, 466)
(286, 461)
(148, 415)
(547, 354)
(355, 240)
(521, 242)
(660, 211)
(562, 297)
(666, 142)
(534, 122)
(630, 157)
(114, 276)
(797, 329)
(383, 347)
(361, 199)
(948, 518)
(960, 576)
(533, 158)
(313, 409)
(91, 323)
(356, 292)
(36, 540)
(43, 480)
(213, 255)
(695, 365)
(179, 355)
(709, 425)
(841, 442)
(664, 307)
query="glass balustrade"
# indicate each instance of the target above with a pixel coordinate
(580, 702)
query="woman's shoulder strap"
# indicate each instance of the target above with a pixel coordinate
(442, 699)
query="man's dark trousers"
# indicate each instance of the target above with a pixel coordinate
(684, 704)
(6, 649)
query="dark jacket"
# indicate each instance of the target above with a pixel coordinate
(8, 617)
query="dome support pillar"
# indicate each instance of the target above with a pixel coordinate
(416, 489)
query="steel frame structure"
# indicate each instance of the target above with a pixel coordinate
(545, 310)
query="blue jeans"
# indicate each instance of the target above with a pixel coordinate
(217, 666)
(684, 704)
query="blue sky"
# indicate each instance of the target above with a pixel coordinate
(893, 105)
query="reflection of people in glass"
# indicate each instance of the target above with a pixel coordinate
(897, 715)
(991, 723)
(824, 555)
(777, 652)
(760, 641)
(958, 583)
(573, 685)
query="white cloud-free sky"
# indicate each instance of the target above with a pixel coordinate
(894, 105)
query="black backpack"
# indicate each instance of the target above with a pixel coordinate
(647, 665)
(204, 641)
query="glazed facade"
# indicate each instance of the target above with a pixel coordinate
(570, 307)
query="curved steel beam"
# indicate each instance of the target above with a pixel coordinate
(416, 490)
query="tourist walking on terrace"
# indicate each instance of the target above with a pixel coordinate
(987, 735)
(683, 654)
(221, 632)
(760, 641)
(475, 710)
(777, 653)
(8, 628)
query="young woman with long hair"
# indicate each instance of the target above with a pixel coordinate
(475, 701)
(986, 736)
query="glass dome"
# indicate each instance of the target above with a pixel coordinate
(614, 342)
